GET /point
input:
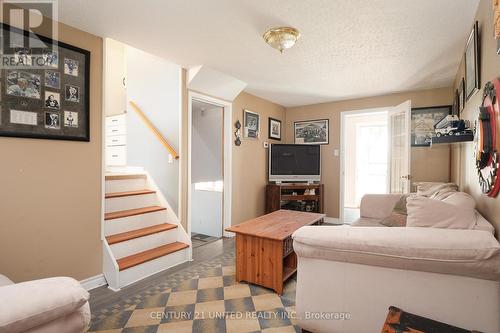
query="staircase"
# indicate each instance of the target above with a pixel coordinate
(143, 235)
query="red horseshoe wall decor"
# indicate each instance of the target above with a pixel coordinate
(487, 155)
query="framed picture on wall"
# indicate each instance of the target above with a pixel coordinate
(251, 124)
(274, 129)
(423, 121)
(461, 95)
(34, 85)
(455, 110)
(312, 132)
(472, 63)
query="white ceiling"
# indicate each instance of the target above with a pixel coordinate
(348, 49)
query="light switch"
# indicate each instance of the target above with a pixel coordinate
(266, 144)
(170, 159)
(336, 152)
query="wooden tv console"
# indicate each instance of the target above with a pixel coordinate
(264, 249)
(281, 196)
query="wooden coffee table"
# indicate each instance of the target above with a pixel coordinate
(264, 249)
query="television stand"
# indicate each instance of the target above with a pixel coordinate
(295, 196)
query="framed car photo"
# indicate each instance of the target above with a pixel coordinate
(312, 132)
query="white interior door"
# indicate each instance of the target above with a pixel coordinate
(399, 148)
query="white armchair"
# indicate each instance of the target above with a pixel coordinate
(57, 304)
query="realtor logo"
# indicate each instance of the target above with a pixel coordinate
(21, 41)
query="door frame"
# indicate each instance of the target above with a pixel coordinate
(343, 116)
(226, 159)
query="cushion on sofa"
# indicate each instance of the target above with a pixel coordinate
(31, 304)
(398, 215)
(471, 253)
(75, 322)
(435, 190)
(425, 212)
(5, 281)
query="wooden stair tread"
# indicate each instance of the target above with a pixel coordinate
(142, 257)
(127, 193)
(132, 212)
(125, 176)
(125, 236)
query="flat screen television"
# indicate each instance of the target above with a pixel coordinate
(299, 163)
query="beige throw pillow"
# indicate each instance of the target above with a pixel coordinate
(428, 189)
(453, 213)
(398, 214)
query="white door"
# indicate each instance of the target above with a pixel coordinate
(399, 148)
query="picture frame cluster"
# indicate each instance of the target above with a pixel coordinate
(44, 91)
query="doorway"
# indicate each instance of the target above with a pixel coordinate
(207, 172)
(209, 168)
(375, 155)
(366, 158)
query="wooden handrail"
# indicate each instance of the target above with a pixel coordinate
(155, 131)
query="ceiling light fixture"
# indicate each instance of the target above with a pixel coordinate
(281, 38)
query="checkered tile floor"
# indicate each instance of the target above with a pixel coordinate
(209, 301)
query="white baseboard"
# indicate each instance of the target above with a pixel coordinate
(333, 220)
(93, 282)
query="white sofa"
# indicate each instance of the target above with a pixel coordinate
(43, 306)
(348, 276)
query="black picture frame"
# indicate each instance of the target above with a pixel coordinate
(423, 120)
(270, 133)
(72, 130)
(456, 104)
(471, 57)
(300, 136)
(461, 94)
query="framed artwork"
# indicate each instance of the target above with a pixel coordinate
(274, 129)
(44, 89)
(312, 132)
(423, 121)
(251, 125)
(461, 96)
(455, 110)
(472, 63)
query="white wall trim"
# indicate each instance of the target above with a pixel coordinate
(343, 115)
(93, 282)
(228, 146)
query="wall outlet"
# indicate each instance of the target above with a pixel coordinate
(170, 159)
(266, 144)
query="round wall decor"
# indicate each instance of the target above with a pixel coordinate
(488, 142)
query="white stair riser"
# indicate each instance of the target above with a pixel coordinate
(123, 185)
(131, 202)
(124, 224)
(146, 269)
(133, 246)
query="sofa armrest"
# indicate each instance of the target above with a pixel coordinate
(378, 206)
(30, 304)
(472, 253)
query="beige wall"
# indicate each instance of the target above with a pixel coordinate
(435, 168)
(463, 165)
(50, 197)
(250, 159)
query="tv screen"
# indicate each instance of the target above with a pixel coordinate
(294, 162)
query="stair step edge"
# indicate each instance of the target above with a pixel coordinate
(148, 255)
(132, 212)
(125, 176)
(112, 195)
(138, 233)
